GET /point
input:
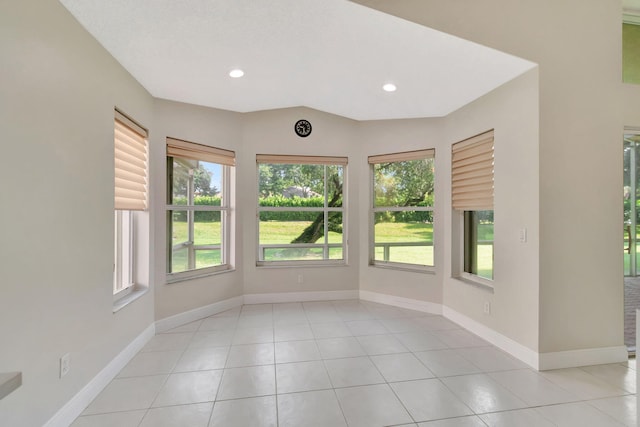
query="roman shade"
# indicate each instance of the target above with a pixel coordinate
(205, 153)
(472, 173)
(130, 144)
(402, 157)
(300, 160)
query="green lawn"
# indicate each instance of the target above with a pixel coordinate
(283, 232)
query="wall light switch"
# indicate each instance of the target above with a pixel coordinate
(523, 235)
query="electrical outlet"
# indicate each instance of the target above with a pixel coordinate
(300, 279)
(523, 235)
(487, 307)
(65, 365)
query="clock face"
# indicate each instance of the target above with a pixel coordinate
(302, 128)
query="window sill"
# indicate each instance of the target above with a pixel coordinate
(194, 274)
(423, 269)
(136, 293)
(300, 264)
(478, 282)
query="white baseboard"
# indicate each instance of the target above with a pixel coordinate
(517, 350)
(279, 297)
(411, 304)
(74, 407)
(583, 357)
(180, 319)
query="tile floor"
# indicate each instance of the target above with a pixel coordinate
(349, 363)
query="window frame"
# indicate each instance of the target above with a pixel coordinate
(225, 209)
(465, 208)
(131, 161)
(397, 158)
(326, 246)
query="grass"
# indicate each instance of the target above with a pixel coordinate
(283, 232)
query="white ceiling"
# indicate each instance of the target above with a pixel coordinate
(330, 55)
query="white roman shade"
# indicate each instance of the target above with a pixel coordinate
(205, 153)
(130, 164)
(300, 160)
(402, 157)
(472, 173)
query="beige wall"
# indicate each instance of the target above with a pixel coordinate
(207, 126)
(577, 45)
(388, 136)
(57, 95)
(271, 132)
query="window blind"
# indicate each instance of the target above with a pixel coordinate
(472, 173)
(130, 143)
(402, 157)
(205, 153)
(300, 160)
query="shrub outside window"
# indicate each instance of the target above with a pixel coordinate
(301, 210)
(402, 210)
(198, 212)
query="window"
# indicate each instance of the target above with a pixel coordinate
(130, 148)
(301, 214)
(630, 48)
(198, 209)
(402, 209)
(472, 198)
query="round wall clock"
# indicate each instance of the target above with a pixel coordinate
(302, 128)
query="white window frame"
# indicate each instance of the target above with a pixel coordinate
(260, 262)
(225, 218)
(123, 277)
(373, 210)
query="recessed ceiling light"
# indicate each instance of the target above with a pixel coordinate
(389, 87)
(236, 73)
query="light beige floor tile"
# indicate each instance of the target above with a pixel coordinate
(471, 421)
(189, 327)
(301, 376)
(373, 405)
(353, 371)
(401, 367)
(310, 409)
(622, 408)
(196, 415)
(533, 388)
(258, 335)
(293, 332)
(429, 400)
(120, 419)
(482, 394)
(366, 327)
(250, 355)
(207, 339)
(126, 394)
(334, 348)
(151, 363)
(330, 330)
(421, 341)
(446, 363)
(296, 351)
(615, 374)
(521, 418)
(169, 342)
(490, 359)
(579, 414)
(436, 323)
(381, 344)
(581, 383)
(189, 387)
(459, 338)
(253, 412)
(403, 324)
(202, 359)
(218, 323)
(252, 381)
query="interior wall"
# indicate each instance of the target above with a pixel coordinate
(581, 290)
(271, 132)
(512, 111)
(208, 126)
(389, 136)
(58, 91)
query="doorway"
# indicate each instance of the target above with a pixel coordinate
(631, 183)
